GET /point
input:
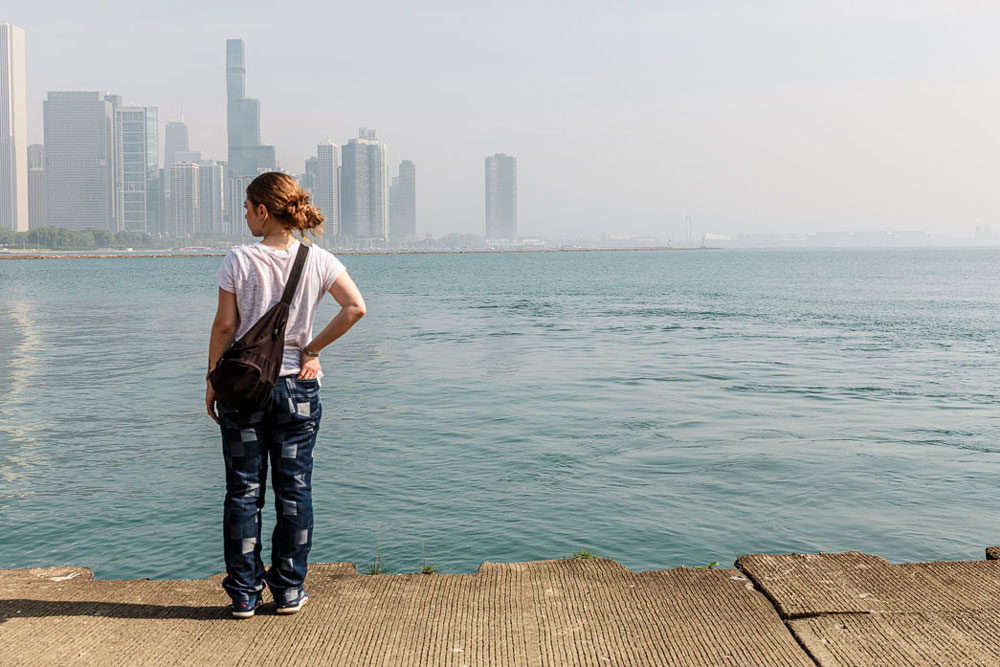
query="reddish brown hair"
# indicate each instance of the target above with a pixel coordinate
(286, 201)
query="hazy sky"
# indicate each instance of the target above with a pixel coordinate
(749, 116)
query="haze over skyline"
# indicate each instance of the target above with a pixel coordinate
(774, 118)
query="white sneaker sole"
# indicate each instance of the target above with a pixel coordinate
(246, 614)
(292, 610)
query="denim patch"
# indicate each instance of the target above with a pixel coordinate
(289, 508)
(289, 450)
(303, 409)
(248, 435)
(248, 544)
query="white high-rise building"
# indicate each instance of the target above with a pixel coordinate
(13, 130)
(185, 207)
(326, 195)
(364, 192)
(211, 197)
(236, 194)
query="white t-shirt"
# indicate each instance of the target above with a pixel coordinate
(257, 274)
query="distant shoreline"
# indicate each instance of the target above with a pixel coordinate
(55, 254)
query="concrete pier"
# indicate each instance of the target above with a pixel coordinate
(787, 610)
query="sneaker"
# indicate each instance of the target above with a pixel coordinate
(246, 608)
(291, 607)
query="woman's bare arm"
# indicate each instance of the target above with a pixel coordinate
(352, 309)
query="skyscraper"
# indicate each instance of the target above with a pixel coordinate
(175, 140)
(185, 207)
(211, 197)
(403, 226)
(364, 195)
(79, 160)
(236, 194)
(501, 197)
(308, 179)
(13, 130)
(247, 157)
(325, 191)
(137, 173)
(36, 186)
(393, 206)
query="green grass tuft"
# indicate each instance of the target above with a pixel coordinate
(375, 567)
(583, 553)
(427, 569)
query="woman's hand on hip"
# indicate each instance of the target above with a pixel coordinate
(210, 401)
(310, 367)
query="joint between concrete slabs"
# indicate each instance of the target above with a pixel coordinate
(785, 618)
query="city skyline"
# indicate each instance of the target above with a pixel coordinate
(748, 119)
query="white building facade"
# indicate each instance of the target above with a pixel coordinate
(325, 188)
(13, 130)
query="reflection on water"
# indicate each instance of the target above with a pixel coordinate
(19, 414)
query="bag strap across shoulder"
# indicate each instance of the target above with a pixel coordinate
(293, 279)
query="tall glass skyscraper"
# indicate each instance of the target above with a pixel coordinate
(501, 197)
(79, 160)
(137, 174)
(13, 130)
(247, 157)
(364, 194)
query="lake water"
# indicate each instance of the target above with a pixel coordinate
(659, 408)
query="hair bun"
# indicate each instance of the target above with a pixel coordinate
(286, 200)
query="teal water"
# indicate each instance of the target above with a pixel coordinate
(659, 408)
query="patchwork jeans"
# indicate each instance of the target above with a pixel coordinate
(285, 433)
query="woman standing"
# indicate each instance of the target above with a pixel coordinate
(251, 280)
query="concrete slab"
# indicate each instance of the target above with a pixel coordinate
(565, 612)
(919, 639)
(858, 609)
(808, 584)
